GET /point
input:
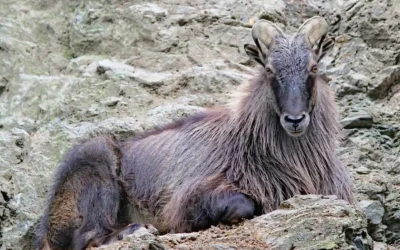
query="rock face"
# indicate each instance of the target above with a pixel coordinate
(303, 222)
(74, 69)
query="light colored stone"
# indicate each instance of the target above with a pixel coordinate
(373, 210)
(360, 120)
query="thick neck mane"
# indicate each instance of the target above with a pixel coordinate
(246, 144)
(255, 112)
(282, 165)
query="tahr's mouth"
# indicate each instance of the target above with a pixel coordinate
(295, 125)
(295, 133)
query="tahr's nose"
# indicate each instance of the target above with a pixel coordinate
(294, 120)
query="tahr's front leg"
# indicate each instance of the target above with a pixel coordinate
(208, 203)
(232, 207)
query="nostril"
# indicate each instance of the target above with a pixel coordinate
(294, 119)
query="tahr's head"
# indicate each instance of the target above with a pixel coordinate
(291, 68)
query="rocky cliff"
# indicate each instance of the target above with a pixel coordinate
(74, 69)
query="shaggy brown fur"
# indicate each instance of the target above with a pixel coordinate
(221, 165)
(85, 198)
(244, 150)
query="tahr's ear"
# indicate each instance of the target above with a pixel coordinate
(313, 29)
(254, 53)
(324, 46)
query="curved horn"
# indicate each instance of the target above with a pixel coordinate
(265, 31)
(313, 29)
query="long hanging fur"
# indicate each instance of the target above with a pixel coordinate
(241, 147)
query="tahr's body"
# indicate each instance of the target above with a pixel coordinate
(277, 140)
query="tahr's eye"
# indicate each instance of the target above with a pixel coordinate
(314, 69)
(269, 70)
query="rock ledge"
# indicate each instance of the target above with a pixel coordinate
(302, 222)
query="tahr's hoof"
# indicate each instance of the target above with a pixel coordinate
(234, 208)
(115, 236)
(129, 229)
(151, 229)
